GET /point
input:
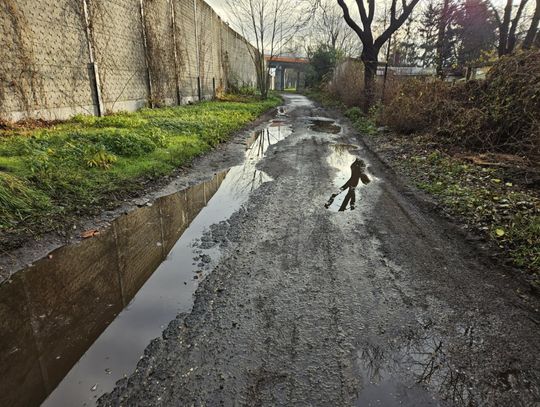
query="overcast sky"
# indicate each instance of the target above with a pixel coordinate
(220, 7)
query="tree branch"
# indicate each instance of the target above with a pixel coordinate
(350, 22)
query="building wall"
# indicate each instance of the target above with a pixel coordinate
(152, 52)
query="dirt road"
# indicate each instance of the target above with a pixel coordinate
(386, 304)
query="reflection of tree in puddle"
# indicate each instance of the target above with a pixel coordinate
(425, 358)
(246, 178)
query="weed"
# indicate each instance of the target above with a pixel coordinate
(354, 113)
(509, 216)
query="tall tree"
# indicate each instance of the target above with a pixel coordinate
(476, 32)
(371, 45)
(533, 29)
(428, 35)
(446, 35)
(507, 26)
(406, 48)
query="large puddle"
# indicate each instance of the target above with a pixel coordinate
(74, 323)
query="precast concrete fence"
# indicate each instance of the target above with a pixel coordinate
(63, 57)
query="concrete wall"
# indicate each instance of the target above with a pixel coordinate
(152, 58)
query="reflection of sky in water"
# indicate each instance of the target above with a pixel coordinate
(169, 289)
(246, 178)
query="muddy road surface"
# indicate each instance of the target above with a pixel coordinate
(264, 293)
(383, 305)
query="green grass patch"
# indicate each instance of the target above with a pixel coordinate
(73, 167)
(509, 215)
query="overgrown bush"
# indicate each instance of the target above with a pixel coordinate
(347, 84)
(500, 113)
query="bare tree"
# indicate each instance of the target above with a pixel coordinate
(331, 30)
(533, 29)
(371, 45)
(269, 25)
(508, 26)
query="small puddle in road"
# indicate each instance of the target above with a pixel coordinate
(322, 125)
(414, 369)
(341, 158)
(75, 322)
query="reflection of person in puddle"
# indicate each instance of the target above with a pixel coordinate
(358, 168)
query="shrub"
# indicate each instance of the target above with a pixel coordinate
(416, 106)
(501, 113)
(347, 83)
(354, 113)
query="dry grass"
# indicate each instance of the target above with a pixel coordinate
(347, 84)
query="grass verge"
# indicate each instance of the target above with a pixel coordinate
(50, 175)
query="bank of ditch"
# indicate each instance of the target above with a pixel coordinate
(54, 173)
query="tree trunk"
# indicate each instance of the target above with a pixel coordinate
(369, 58)
(262, 82)
(529, 38)
(504, 27)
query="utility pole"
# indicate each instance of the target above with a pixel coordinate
(199, 90)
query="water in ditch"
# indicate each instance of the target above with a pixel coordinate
(75, 322)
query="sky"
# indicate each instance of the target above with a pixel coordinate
(220, 7)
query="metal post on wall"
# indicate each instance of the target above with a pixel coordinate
(197, 46)
(175, 53)
(92, 65)
(146, 57)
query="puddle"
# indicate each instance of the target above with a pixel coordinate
(77, 321)
(412, 368)
(341, 158)
(381, 383)
(322, 125)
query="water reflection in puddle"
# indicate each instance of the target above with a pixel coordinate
(341, 158)
(322, 125)
(108, 296)
(399, 373)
